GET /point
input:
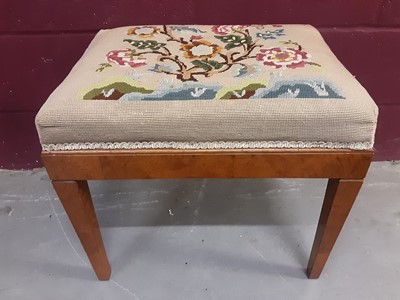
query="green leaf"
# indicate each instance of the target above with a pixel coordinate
(207, 65)
(202, 64)
(230, 46)
(248, 40)
(149, 44)
(231, 38)
(156, 46)
(215, 64)
(233, 41)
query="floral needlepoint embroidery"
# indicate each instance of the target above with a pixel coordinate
(280, 57)
(190, 53)
(144, 31)
(221, 62)
(126, 58)
(226, 29)
(200, 49)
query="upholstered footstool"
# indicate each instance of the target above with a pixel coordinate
(224, 101)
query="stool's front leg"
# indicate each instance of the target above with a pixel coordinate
(339, 198)
(75, 197)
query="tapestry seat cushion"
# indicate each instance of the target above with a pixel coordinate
(204, 87)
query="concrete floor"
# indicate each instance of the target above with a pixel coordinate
(199, 239)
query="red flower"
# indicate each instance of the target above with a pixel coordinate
(226, 29)
(126, 58)
(283, 57)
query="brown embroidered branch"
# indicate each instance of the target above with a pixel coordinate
(290, 42)
(187, 74)
(166, 49)
(184, 74)
(151, 52)
(168, 32)
(246, 55)
(201, 63)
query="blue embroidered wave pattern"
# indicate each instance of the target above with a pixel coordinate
(285, 89)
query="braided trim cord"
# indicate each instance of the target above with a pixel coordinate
(207, 145)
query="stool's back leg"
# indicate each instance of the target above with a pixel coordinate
(339, 198)
(77, 202)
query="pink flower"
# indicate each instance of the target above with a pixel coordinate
(196, 37)
(278, 57)
(226, 29)
(126, 58)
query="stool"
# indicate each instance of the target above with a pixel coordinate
(223, 101)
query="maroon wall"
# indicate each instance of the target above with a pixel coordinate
(41, 40)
